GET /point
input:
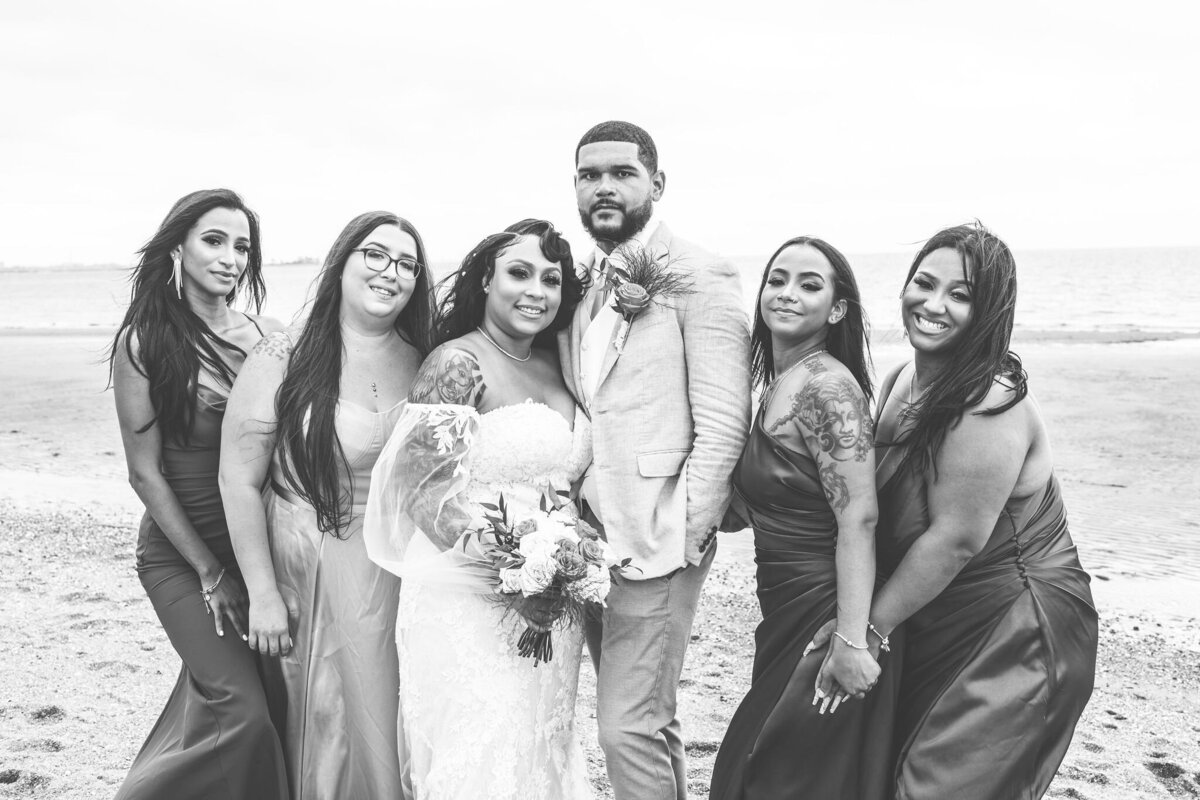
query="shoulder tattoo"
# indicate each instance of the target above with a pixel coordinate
(276, 345)
(833, 417)
(449, 375)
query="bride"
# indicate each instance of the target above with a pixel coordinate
(488, 415)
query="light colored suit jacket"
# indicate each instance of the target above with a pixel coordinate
(670, 415)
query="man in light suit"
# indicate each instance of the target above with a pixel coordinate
(669, 414)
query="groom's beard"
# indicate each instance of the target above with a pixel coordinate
(633, 222)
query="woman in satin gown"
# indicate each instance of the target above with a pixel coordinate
(489, 415)
(805, 482)
(1000, 653)
(174, 359)
(308, 417)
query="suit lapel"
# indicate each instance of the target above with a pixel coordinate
(659, 243)
(610, 355)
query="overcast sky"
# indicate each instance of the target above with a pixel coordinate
(871, 124)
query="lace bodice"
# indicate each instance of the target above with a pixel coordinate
(519, 449)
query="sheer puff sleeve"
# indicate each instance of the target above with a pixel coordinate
(418, 508)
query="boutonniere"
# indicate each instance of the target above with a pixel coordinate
(638, 279)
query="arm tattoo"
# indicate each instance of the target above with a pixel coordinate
(834, 485)
(832, 414)
(277, 345)
(449, 376)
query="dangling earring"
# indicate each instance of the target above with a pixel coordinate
(177, 276)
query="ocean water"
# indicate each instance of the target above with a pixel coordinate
(1151, 290)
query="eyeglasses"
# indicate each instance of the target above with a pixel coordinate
(379, 261)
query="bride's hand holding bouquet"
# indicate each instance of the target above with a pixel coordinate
(550, 568)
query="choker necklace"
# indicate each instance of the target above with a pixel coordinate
(494, 344)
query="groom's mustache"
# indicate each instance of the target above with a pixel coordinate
(600, 205)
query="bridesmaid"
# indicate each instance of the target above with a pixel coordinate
(173, 361)
(310, 415)
(1001, 631)
(805, 482)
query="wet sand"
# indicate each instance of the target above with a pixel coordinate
(86, 667)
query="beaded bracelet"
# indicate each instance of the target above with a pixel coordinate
(207, 593)
(849, 643)
(884, 644)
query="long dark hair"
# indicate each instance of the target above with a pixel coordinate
(848, 341)
(172, 340)
(462, 306)
(312, 460)
(982, 355)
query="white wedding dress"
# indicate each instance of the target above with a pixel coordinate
(476, 719)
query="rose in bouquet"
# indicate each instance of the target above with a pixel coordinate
(550, 561)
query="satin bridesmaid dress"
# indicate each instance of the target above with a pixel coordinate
(997, 668)
(215, 737)
(778, 745)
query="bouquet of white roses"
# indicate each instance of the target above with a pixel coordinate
(559, 562)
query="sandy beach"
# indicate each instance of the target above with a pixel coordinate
(86, 667)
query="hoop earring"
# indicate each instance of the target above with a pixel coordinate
(177, 276)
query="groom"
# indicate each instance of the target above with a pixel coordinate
(670, 414)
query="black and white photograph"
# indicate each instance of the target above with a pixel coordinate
(546, 401)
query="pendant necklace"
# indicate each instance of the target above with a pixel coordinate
(494, 344)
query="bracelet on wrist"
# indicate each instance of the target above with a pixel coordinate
(884, 644)
(849, 643)
(207, 592)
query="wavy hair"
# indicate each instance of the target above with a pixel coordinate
(848, 341)
(173, 341)
(312, 460)
(462, 306)
(982, 354)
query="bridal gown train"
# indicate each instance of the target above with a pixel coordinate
(476, 719)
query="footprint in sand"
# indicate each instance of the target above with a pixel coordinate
(1092, 747)
(38, 745)
(47, 714)
(1087, 776)
(75, 597)
(1074, 794)
(1171, 776)
(1115, 715)
(113, 668)
(702, 748)
(23, 780)
(88, 624)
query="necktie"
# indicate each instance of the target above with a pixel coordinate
(601, 290)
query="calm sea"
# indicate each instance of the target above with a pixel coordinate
(1152, 290)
